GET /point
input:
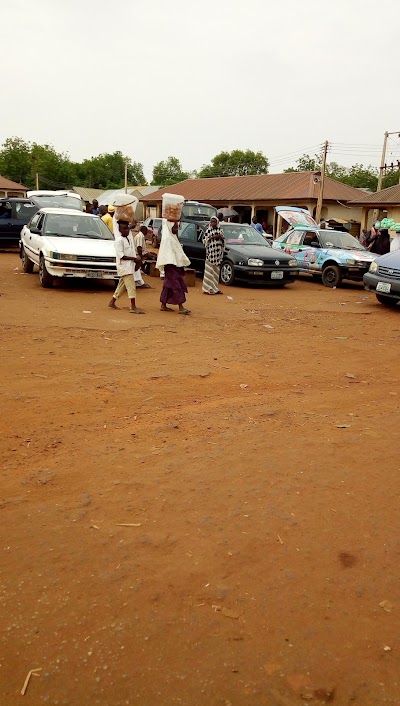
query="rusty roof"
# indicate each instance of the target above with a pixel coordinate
(12, 185)
(290, 186)
(385, 197)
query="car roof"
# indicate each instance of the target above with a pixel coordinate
(15, 198)
(68, 211)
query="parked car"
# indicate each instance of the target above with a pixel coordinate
(14, 214)
(383, 278)
(56, 199)
(67, 243)
(154, 226)
(329, 254)
(17, 212)
(247, 255)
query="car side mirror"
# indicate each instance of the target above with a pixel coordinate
(35, 231)
(315, 244)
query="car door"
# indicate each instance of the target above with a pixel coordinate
(7, 226)
(34, 239)
(190, 235)
(307, 254)
(23, 212)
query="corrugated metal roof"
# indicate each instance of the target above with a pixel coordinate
(138, 191)
(8, 184)
(290, 186)
(87, 194)
(391, 196)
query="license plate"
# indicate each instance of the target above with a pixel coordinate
(95, 273)
(276, 275)
(383, 287)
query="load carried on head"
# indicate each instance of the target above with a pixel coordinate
(172, 207)
(125, 207)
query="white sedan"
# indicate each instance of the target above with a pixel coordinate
(67, 243)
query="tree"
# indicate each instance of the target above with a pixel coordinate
(235, 163)
(168, 172)
(358, 175)
(15, 161)
(391, 179)
(305, 163)
(107, 171)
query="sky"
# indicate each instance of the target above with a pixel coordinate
(191, 78)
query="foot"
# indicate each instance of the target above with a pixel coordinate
(166, 308)
(145, 286)
(185, 312)
(136, 311)
(113, 305)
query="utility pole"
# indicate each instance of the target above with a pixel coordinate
(37, 181)
(126, 177)
(322, 183)
(383, 159)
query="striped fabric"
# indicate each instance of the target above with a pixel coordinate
(211, 278)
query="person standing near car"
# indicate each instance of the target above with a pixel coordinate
(95, 205)
(214, 243)
(256, 225)
(395, 244)
(106, 217)
(141, 249)
(126, 260)
(380, 244)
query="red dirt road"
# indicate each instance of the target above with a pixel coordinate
(262, 537)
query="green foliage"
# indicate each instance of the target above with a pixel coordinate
(358, 175)
(107, 171)
(168, 172)
(391, 179)
(236, 163)
(20, 161)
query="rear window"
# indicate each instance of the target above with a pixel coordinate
(25, 211)
(58, 201)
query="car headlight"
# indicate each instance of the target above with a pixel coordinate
(373, 266)
(350, 262)
(292, 263)
(254, 262)
(60, 256)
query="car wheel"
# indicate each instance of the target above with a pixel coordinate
(331, 276)
(27, 264)
(45, 279)
(227, 274)
(386, 301)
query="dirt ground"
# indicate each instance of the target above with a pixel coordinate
(198, 510)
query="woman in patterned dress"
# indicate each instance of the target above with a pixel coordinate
(214, 243)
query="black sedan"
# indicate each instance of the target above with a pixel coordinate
(383, 278)
(247, 255)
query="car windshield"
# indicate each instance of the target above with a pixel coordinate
(198, 211)
(246, 235)
(57, 201)
(337, 239)
(69, 226)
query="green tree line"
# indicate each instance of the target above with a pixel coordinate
(21, 161)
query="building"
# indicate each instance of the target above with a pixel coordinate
(258, 195)
(10, 188)
(386, 203)
(87, 195)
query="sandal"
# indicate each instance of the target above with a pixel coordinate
(166, 309)
(184, 311)
(136, 311)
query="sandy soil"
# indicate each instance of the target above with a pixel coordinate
(251, 451)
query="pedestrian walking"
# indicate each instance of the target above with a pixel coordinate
(141, 249)
(173, 260)
(127, 258)
(214, 243)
